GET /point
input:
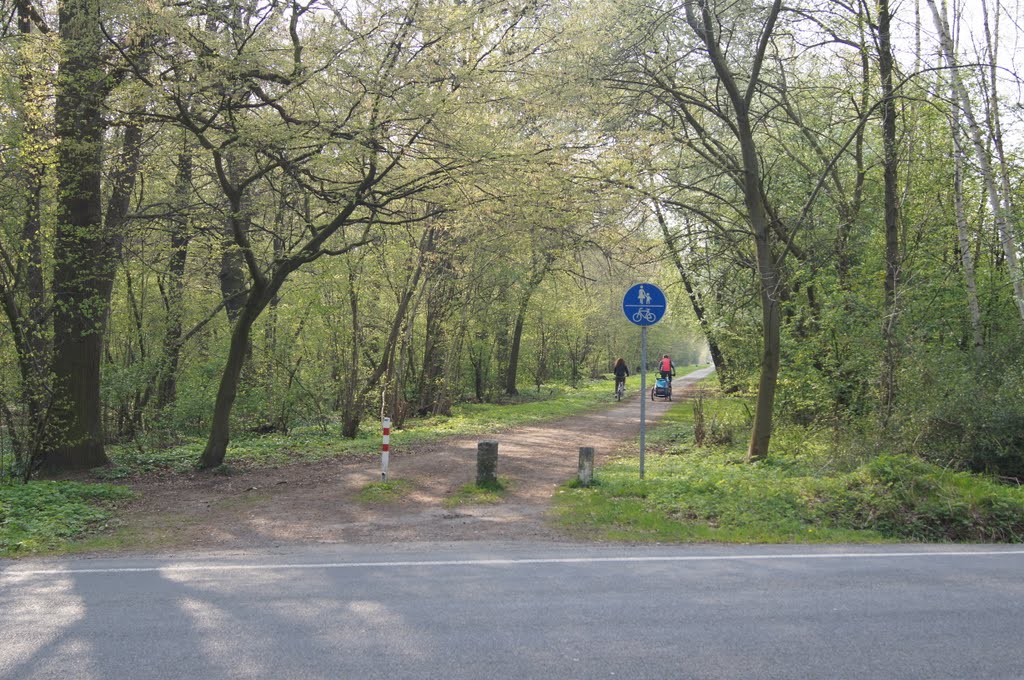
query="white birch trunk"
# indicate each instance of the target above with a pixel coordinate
(966, 259)
(988, 175)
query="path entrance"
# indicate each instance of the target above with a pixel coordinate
(309, 503)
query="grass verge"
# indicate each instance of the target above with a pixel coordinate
(47, 515)
(472, 494)
(803, 493)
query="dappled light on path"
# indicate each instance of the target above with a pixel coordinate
(320, 503)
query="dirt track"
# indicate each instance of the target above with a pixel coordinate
(316, 503)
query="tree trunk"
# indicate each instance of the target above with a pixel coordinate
(988, 176)
(440, 295)
(352, 406)
(698, 306)
(433, 357)
(511, 376)
(761, 431)
(963, 238)
(220, 430)
(232, 262)
(23, 290)
(175, 289)
(83, 266)
(122, 181)
(704, 24)
(451, 376)
(995, 130)
(391, 346)
(891, 315)
(479, 362)
(397, 405)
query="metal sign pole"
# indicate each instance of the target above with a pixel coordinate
(643, 396)
(644, 304)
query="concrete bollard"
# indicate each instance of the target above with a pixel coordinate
(586, 474)
(487, 463)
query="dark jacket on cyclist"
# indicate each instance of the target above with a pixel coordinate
(621, 371)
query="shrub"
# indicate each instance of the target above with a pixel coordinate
(971, 417)
(904, 497)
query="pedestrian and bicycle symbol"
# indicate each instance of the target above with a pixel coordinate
(644, 304)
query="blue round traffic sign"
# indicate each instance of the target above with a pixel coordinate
(644, 304)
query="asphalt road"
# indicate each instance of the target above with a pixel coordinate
(469, 610)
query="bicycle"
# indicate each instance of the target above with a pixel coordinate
(620, 391)
(644, 315)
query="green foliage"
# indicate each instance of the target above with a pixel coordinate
(968, 417)
(798, 494)
(312, 443)
(726, 421)
(904, 497)
(44, 515)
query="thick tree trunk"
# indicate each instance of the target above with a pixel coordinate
(83, 267)
(768, 277)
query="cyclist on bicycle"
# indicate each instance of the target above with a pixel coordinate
(667, 369)
(621, 371)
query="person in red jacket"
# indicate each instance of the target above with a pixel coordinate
(667, 369)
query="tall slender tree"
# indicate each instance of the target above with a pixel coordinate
(706, 25)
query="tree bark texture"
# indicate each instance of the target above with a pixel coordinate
(83, 263)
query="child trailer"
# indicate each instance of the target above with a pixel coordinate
(662, 389)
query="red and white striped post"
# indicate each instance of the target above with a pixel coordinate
(385, 450)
